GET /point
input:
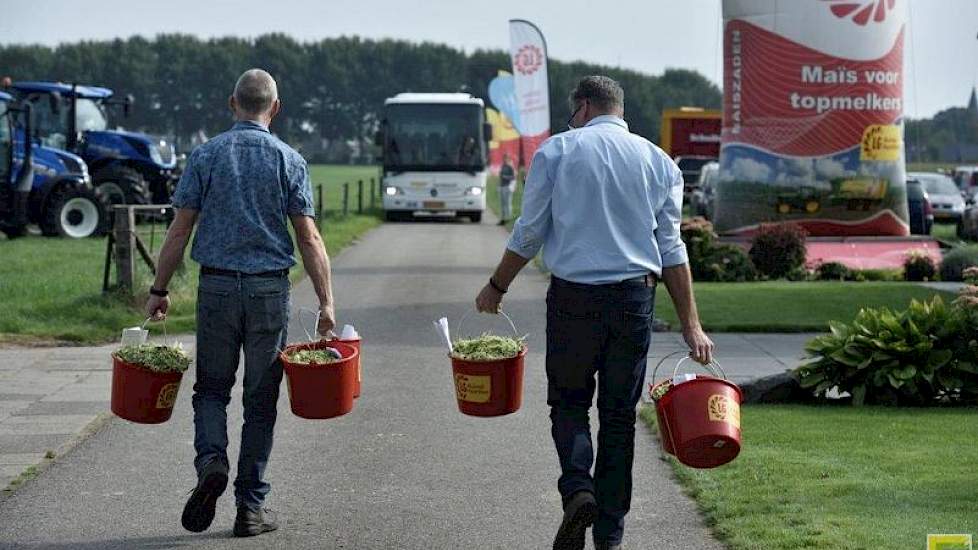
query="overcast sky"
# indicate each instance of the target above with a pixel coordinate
(646, 35)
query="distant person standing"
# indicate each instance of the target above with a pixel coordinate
(604, 205)
(243, 186)
(507, 186)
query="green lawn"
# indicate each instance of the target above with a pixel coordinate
(841, 478)
(51, 288)
(782, 306)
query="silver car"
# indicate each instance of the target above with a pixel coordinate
(945, 196)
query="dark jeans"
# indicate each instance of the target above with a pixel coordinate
(603, 330)
(235, 313)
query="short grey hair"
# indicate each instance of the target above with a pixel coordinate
(255, 91)
(603, 92)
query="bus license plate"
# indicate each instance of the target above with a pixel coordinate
(434, 204)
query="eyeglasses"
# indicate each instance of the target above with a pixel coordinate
(574, 114)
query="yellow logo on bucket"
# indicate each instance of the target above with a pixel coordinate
(948, 542)
(474, 389)
(724, 409)
(168, 396)
(881, 143)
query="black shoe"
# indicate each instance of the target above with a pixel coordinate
(249, 524)
(501, 222)
(606, 546)
(198, 513)
(579, 513)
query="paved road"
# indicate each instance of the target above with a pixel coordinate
(404, 470)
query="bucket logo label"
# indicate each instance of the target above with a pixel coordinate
(949, 542)
(881, 142)
(528, 59)
(474, 389)
(724, 409)
(861, 13)
(168, 396)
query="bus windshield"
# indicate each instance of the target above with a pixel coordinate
(437, 137)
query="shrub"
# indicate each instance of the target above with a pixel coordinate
(925, 355)
(877, 275)
(728, 263)
(709, 261)
(957, 260)
(778, 249)
(919, 266)
(833, 271)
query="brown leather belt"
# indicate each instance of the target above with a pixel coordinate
(241, 274)
(649, 280)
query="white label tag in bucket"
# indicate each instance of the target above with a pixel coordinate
(724, 409)
(474, 389)
(134, 336)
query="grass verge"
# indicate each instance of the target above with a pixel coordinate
(841, 478)
(51, 288)
(783, 306)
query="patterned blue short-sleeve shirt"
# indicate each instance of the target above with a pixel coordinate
(245, 183)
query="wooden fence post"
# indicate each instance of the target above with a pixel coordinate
(359, 196)
(125, 263)
(346, 199)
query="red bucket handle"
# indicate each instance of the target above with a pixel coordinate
(713, 366)
(458, 327)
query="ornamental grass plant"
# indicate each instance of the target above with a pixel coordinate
(155, 358)
(487, 347)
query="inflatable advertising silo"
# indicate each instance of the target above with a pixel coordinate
(813, 117)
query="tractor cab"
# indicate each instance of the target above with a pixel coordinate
(126, 167)
(43, 185)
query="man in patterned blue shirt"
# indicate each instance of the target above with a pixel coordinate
(604, 205)
(241, 189)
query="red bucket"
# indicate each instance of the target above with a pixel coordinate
(489, 388)
(355, 342)
(141, 395)
(701, 420)
(322, 391)
(664, 436)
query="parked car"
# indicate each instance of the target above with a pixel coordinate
(944, 195)
(691, 165)
(966, 177)
(968, 226)
(703, 198)
(920, 209)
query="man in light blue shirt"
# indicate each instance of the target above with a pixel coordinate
(605, 206)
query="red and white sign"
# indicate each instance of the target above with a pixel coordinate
(529, 54)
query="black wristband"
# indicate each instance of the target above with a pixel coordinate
(160, 293)
(493, 284)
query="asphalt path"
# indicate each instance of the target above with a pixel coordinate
(403, 470)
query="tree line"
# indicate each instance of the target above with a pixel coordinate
(332, 90)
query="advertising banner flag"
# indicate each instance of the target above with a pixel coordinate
(813, 117)
(528, 51)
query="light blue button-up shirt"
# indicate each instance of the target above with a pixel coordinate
(603, 203)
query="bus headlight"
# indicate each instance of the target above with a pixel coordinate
(391, 191)
(474, 191)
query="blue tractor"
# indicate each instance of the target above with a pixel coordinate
(126, 167)
(43, 185)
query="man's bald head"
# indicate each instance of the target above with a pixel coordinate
(255, 93)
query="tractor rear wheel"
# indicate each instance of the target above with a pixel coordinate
(121, 185)
(75, 213)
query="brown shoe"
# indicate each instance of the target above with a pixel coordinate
(579, 513)
(249, 523)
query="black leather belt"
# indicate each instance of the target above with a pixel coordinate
(240, 274)
(649, 280)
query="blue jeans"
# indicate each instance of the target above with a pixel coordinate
(234, 313)
(602, 330)
(506, 201)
